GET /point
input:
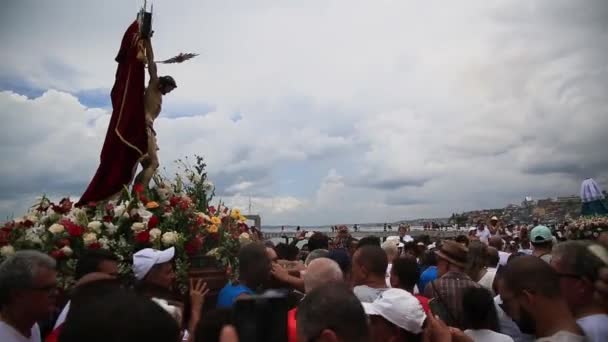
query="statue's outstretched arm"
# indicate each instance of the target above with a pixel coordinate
(150, 56)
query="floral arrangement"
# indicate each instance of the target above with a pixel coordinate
(588, 227)
(173, 213)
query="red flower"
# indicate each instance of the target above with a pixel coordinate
(72, 228)
(4, 236)
(153, 222)
(62, 242)
(193, 246)
(92, 204)
(143, 237)
(184, 205)
(95, 245)
(28, 224)
(57, 254)
(108, 218)
(8, 227)
(174, 201)
(212, 211)
(143, 199)
(138, 188)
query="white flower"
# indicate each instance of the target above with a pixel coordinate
(110, 228)
(56, 228)
(32, 218)
(138, 227)
(89, 238)
(104, 242)
(208, 186)
(155, 233)
(67, 251)
(7, 250)
(169, 238)
(163, 193)
(95, 226)
(33, 235)
(244, 238)
(119, 210)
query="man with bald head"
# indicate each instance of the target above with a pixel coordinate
(319, 272)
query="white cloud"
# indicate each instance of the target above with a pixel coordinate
(373, 110)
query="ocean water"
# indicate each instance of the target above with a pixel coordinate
(366, 228)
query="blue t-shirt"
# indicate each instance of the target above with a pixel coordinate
(229, 293)
(426, 277)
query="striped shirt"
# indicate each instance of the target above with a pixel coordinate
(451, 287)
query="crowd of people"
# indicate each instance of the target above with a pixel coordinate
(490, 285)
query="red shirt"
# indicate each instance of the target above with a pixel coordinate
(424, 302)
(292, 335)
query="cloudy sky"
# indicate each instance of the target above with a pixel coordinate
(321, 111)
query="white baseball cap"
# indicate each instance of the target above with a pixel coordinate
(144, 260)
(400, 308)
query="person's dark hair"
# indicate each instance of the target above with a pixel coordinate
(479, 310)
(515, 255)
(341, 257)
(332, 306)
(89, 261)
(318, 241)
(428, 259)
(462, 239)
(532, 274)
(292, 252)
(476, 259)
(406, 270)
(282, 250)
(543, 245)
(118, 315)
(373, 258)
(254, 264)
(575, 257)
(167, 81)
(493, 257)
(369, 241)
(210, 326)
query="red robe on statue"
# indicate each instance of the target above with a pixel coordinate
(126, 140)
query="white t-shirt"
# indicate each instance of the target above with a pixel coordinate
(483, 235)
(388, 275)
(10, 334)
(62, 315)
(488, 279)
(367, 294)
(595, 327)
(562, 336)
(503, 257)
(485, 335)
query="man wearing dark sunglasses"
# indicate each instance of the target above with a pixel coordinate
(28, 283)
(578, 270)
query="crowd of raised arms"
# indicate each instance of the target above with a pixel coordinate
(517, 283)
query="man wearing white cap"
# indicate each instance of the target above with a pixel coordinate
(396, 315)
(154, 271)
(493, 225)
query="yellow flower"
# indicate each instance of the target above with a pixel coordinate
(152, 205)
(216, 221)
(212, 229)
(242, 218)
(235, 214)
